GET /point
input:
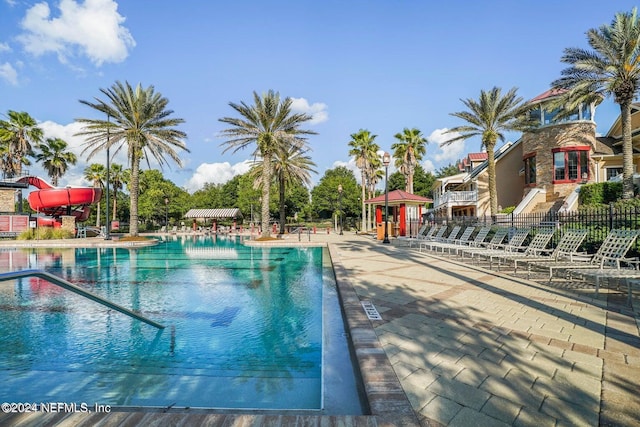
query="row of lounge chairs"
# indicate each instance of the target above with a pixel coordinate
(608, 264)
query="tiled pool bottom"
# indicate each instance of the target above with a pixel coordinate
(387, 402)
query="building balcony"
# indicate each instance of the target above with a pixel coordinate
(455, 198)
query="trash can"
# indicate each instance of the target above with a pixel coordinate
(380, 230)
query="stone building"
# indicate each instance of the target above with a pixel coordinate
(545, 168)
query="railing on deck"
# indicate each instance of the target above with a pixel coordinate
(455, 197)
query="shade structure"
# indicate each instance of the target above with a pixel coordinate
(214, 213)
(407, 210)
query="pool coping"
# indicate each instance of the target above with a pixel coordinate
(387, 401)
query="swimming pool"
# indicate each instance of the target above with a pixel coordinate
(247, 328)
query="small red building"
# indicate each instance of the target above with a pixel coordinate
(405, 211)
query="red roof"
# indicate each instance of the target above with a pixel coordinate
(548, 94)
(477, 157)
(398, 196)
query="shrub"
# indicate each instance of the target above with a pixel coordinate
(45, 233)
(600, 193)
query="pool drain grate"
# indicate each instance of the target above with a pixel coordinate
(371, 311)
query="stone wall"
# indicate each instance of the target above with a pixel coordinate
(543, 140)
(7, 200)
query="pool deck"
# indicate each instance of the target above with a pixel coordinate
(456, 345)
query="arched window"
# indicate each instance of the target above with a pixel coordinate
(570, 164)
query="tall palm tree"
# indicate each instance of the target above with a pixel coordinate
(138, 121)
(55, 158)
(291, 166)
(119, 177)
(96, 174)
(21, 133)
(408, 151)
(489, 117)
(612, 68)
(271, 126)
(365, 150)
(374, 175)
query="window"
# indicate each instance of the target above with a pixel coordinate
(530, 169)
(612, 172)
(570, 164)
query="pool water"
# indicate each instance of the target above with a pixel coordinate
(245, 328)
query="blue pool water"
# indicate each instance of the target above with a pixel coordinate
(244, 328)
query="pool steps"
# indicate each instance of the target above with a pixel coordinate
(78, 290)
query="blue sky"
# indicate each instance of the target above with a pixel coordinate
(377, 65)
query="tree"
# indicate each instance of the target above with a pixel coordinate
(20, 133)
(96, 174)
(119, 177)
(448, 170)
(408, 151)
(271, 126)
(489, 117)
(138, 121)
(55, 159)
(423, 182)
(612, 68)
(325, 195)
(291, 166)
(365, 151)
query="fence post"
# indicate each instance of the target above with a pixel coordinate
(611, 212)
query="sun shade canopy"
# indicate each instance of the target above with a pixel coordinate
(214, 213)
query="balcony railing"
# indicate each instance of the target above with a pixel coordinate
(455, 198)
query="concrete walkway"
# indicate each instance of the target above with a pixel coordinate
(472, 347)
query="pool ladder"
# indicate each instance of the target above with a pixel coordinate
(78, 290)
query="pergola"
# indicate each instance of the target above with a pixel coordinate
(407, 210)
(214, 214)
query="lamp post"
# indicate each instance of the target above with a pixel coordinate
(340, 206)
(386, 159)
(107, 235)
(166, 213)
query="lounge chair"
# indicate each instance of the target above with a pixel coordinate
(427, 233)
(513, 245)
(567, 248)
(609, 255)
(454, 243)
(439, 233)
(535, 248)
(496, 240)
(439, 240)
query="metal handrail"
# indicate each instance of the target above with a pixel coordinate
(78, 290)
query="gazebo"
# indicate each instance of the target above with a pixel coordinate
(214, 214)
(406, 211)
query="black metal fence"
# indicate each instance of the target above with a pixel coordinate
(598, 221)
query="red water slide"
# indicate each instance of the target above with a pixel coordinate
(58, 201)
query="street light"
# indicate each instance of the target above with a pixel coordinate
(340, 205)
(386, 159)
(166, 213)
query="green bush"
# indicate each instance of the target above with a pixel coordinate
(601, 193)
(508, 210)
(45, 233)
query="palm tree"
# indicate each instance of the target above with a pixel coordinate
(270, 125)
(119, 177)
(489, 117)
(138, 121)
(96, 173)
(612, 68)
(374, 175)
(364, 149)
(408, 151)
(21, 133)
(290, 166)
(55, 159)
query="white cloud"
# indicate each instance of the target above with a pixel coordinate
(317, 110)
(428, 166)
(93, 28)
(216, 173)
(4, 47)
(9, 74)
(446, 153)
